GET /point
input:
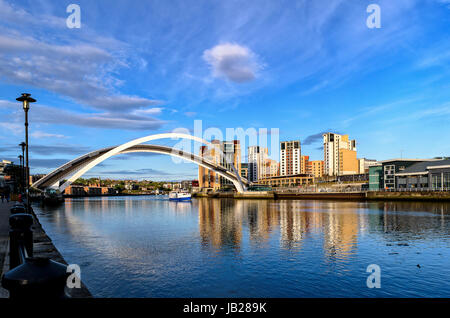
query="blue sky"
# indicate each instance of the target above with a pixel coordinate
(305, 67)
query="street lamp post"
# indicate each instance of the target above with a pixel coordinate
(23, 144)
(21, 173)
(26, 100)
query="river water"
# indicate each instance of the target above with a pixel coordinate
(146, 246)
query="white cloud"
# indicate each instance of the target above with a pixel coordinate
(106, 120)
(84, 69)
(140, 119)
(149, 111)
(233, 62)
(4, 104)
(40, 134)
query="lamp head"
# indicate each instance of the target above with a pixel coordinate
(26, 100)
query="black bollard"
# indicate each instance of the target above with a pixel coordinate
(36, 278)
(18, 208)
(20, 238)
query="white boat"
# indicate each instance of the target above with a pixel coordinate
(179, 196)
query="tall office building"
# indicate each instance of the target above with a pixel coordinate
(257, 157)
(339, 155)
(290, 158)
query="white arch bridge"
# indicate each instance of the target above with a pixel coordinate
(79, 166)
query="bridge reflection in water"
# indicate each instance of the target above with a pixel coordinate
(223, 247)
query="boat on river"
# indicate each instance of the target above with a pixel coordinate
(179, 196)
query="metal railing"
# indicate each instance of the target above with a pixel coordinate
(318, 190)
(411, 190)
(354, 190)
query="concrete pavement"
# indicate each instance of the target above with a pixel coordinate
(42, 247)
(4, 240)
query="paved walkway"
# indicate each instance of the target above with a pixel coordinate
(4, 238)
(42, 247)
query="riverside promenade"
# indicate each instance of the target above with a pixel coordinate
(4, 240)
(351, 195)
(42, 247)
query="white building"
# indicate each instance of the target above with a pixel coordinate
(335, 147)
(290, 158)
(257, 156)
(364, 165)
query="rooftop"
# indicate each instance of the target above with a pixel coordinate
(424, 166)
(406, 159)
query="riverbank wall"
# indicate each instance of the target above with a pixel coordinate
(349, 196)
(409, 196)
(42, 247)
(107, 195)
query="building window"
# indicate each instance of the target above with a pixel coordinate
(447, 180)
(436, 181)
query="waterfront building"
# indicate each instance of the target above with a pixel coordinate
(231, 157)
(224, 153)
(316, 168)
(79, 190)
(3, 165)
(270, 169)
(431, 175)
(339, 155)
(288, 181)
(208, 179)
(244, 170)
(186, 184)
(393, 166)
(364, 165)
(75, 190)
(305, 167)
(290, 158)
(257, 157)
(376, 177)
(168, 186)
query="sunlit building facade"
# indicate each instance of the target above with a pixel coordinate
(290, 158)
(339, 155)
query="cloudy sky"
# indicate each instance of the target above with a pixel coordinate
(136, 68)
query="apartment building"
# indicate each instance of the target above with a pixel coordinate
(305, 167)
(224, 153)
(316, 167)
(339, 155)
(270, 169)
(208, 178)
(257, 157)
(290, 158)
(244, 170)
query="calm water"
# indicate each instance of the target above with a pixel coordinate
(150, 247)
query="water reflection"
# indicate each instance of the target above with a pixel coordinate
(286, 248)
(221, 222)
